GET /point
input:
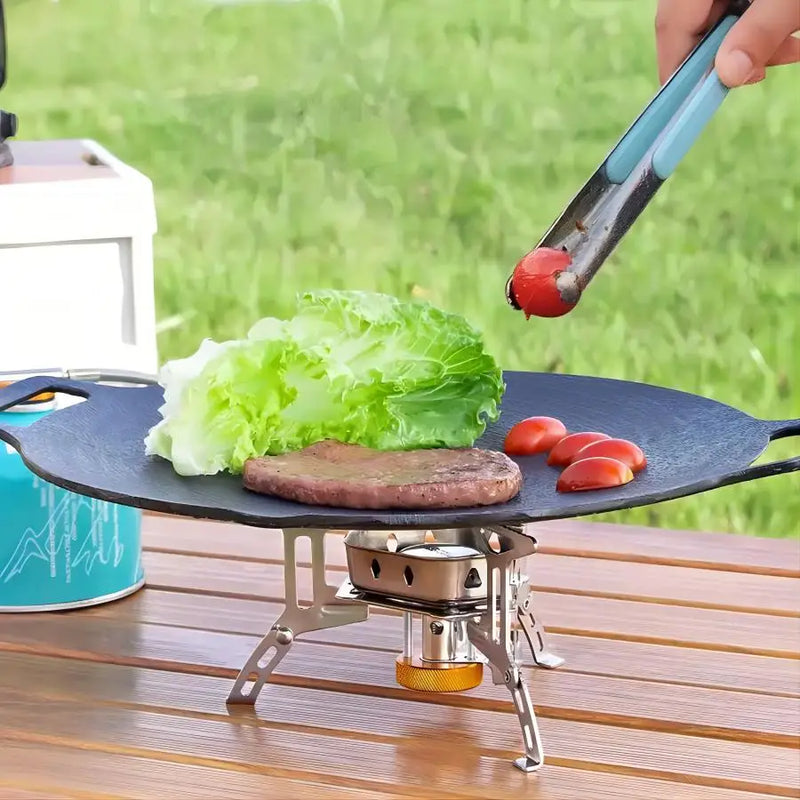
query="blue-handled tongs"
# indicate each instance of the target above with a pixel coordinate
(605, 208)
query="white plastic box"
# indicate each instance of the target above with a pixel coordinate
(76, 260)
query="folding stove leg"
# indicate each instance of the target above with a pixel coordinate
(534, 630)
(492, 635)
(326, 611)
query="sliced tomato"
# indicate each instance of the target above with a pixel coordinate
(534, 435)
(594, 473)
(621, 449)
(569, 446)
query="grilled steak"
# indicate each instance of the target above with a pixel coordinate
(350, 476)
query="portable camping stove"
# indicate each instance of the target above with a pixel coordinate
(464, 586)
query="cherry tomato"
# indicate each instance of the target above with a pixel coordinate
(568, 447)
(534, 435)
(621, 449)
(536, 285)
(593, 473)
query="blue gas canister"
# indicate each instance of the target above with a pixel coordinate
(58, 549)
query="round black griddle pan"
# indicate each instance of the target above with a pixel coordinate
(693, 444)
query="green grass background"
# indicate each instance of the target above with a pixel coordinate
(419, 148)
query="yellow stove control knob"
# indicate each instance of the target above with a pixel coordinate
(426, 676)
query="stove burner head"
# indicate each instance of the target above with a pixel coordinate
(444, 568)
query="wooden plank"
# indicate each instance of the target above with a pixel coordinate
(295, 754)
(583, 653)
(700, 549)
(652, 583)
(225, 540)
(718, 551)
(638, 704)
(113, 775)
(251, 580)
(392, 721)
(11, 790)
(557, 783)
(702, 628)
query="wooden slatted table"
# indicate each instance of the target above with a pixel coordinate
(682, 680)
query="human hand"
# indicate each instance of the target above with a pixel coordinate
(761, 38)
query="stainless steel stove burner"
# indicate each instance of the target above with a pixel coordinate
(463, 587)
(449, 570)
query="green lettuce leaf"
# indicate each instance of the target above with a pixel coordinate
(358, 367)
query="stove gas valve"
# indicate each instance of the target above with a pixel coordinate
(448, 661)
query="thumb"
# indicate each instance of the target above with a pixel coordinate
(754, 39)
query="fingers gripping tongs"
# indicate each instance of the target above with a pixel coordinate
(549, 280)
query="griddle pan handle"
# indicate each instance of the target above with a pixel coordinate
(778, 429)
(76, 382)
(783, 428)
(20, 391)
